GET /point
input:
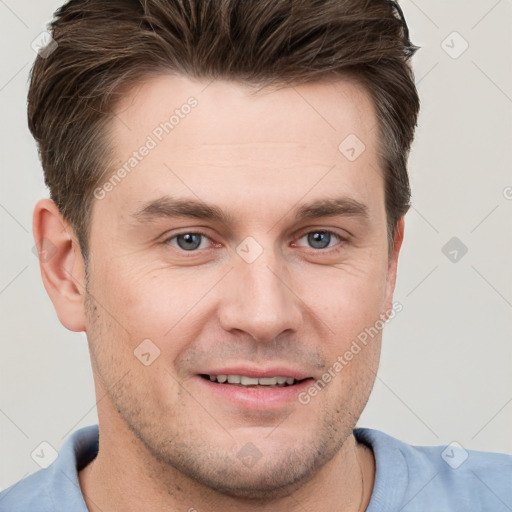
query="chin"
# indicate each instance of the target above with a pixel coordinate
(265, 481)
(274, 473)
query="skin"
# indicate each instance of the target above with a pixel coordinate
(167, 441)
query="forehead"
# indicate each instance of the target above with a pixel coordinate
(220, 138)
(232, 112)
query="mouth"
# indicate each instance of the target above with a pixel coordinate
(250, 388)
(246, 381)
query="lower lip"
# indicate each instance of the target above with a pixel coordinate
(256, 398)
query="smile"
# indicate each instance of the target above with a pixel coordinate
(244, 380)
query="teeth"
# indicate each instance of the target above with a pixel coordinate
(249, 381)
(252, 381)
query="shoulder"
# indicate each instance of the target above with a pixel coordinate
(447, 477)
(29, 494)
(55, 488)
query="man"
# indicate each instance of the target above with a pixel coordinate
(228, 189)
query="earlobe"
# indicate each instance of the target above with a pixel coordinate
(61, 263)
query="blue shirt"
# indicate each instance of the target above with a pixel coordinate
(408, 478)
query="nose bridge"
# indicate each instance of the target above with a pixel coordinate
(261, 302)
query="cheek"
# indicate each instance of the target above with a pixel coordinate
(134, 293)
(348, 296)
(164, 305)
(154, 301)
(348, 302)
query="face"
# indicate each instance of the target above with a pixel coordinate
(244, 243)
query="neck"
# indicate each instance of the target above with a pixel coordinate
(124, 476)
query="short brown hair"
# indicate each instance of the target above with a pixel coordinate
(104, 47)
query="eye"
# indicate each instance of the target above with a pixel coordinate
(320, 239)
(188, 241)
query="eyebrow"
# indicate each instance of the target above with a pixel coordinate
(343, 206)
(169, 207)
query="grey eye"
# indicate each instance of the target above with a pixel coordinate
(319, 239)
(188, 241)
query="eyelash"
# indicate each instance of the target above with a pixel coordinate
(334, 248)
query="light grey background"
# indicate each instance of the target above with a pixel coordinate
(446, 366)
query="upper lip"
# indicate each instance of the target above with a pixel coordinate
(275, 371)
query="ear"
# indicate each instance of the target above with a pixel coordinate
(61, 263)
(393, 262)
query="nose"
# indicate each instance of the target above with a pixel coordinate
(259, 299)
